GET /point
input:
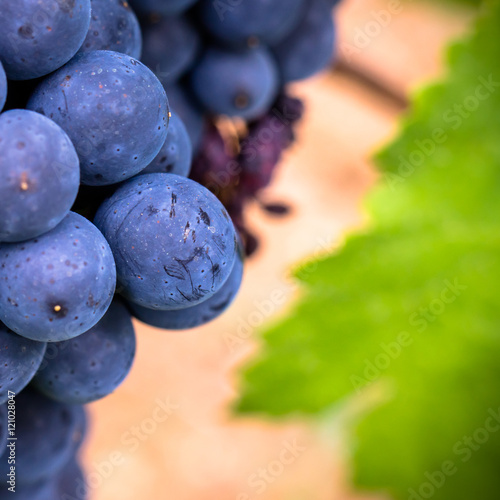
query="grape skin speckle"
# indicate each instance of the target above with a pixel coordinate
(41, 299)
(184, 233)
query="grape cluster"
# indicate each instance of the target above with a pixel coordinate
(117, 201)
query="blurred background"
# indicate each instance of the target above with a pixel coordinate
(168, 431)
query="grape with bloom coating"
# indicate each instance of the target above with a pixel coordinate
(113, 26)
(241, 83)
(250, 22)
(45, 432)
(176, 154)
(173, 241)
(38, 37)
(114, 110)
(59, 285)
(91, 366)
(199, 314)
(170, 47)
(20, 358)
(309, 48)
(39, 175)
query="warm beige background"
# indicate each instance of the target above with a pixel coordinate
(200, 452)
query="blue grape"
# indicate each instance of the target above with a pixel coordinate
(185, 106)
(19, 361)
(309, 48)
(45, 437)
(39, 175)
(250, 21)
(165, 7)
(114, 110)
(70, 483)
(196, 315)
(176, 154)
(173, 241)
(236, 83)
(3, 87)
(170, 47)
(81, 425)
(58, 285)
(44, 489)
(37, 37)
(113, 26)
(92, 365)
(4, 432)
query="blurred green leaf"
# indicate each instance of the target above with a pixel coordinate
(475, 3)
(412, 305)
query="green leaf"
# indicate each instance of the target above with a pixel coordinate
(412, 306)
(471, 3)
